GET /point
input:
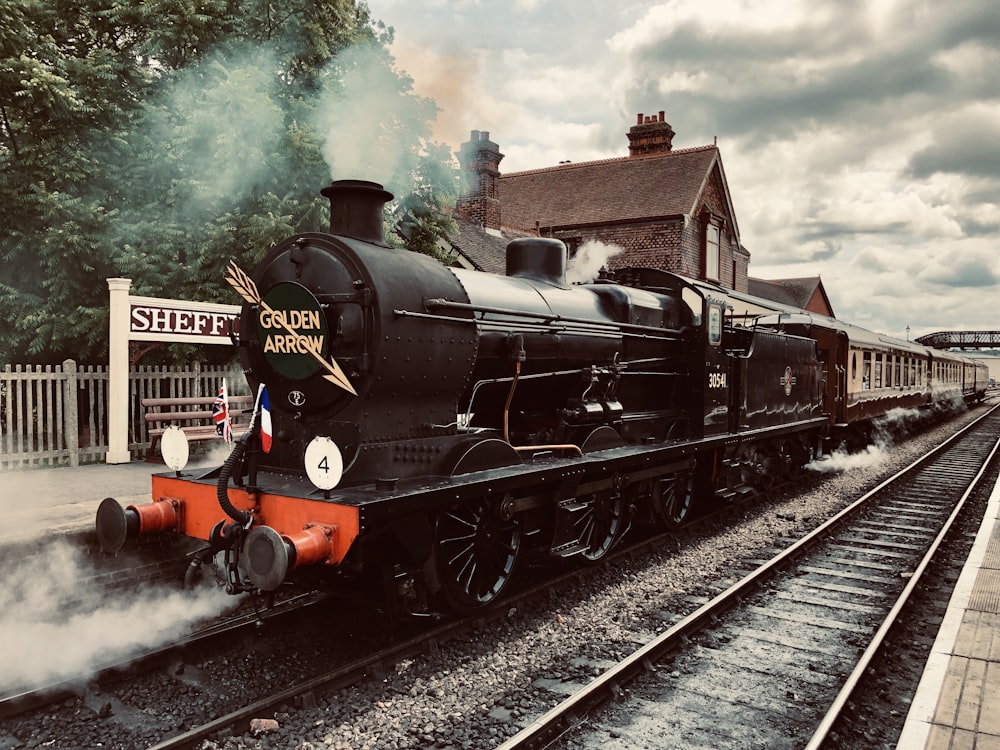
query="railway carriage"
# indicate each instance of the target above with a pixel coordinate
(958, 377)
(869, 375)
(424, 426)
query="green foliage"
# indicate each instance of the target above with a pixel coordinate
(158, 139)
(423, 216)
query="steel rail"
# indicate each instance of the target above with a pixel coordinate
(840, 702)
(340, 677)
(571, 712)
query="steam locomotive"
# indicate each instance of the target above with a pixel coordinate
(426, 425)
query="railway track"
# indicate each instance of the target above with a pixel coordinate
(206, 639)
(103, 694)
(773, 660)
(372, 667)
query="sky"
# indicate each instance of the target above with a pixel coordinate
(860, 139)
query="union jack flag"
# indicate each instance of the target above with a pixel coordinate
(220, 413)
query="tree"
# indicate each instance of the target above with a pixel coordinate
(423, 216)
(66, 81)
(158, 139)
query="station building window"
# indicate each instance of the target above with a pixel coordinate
(712, 252)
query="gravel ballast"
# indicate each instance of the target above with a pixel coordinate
(479, 689)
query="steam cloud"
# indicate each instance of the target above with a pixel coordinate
(588, 261)
(223, 125)
(841, 460)
(54, 626)
(372, 121)
(886, 429)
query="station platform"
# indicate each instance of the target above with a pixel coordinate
(957, 703)
(64, 500)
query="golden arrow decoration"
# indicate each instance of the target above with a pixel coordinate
(247, 289)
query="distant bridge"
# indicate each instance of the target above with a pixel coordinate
(963, 339)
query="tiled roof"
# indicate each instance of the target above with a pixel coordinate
(793, 292)
(486, 251)
(774, 291)
(607, 191)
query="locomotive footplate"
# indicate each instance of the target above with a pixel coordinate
(527, 485)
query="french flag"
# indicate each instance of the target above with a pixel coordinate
(266, 434)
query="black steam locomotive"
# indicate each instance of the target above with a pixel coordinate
(427, 424)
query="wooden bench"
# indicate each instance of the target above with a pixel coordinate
(193, 415)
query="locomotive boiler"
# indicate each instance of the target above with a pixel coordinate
(426, 425)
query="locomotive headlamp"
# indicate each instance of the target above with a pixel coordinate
(174, 448)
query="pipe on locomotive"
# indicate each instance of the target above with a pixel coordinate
(233, 460)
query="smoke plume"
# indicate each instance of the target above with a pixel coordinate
(590, 258)
(371, 125)
(55, 626)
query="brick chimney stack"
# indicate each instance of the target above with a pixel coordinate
(479, 159)
(650, 135)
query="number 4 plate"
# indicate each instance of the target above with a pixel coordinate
(324, 463)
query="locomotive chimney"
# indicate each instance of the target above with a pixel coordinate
(356, 209)
(539, 258)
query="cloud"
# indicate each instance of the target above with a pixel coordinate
(961, 272)
(860, 138)
(965, 142)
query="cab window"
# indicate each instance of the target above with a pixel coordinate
(714, 325)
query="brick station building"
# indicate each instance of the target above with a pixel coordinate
(665, 208)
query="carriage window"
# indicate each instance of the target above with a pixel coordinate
(888, 371)
(878, 371)
(854, 366)
(866, 378)
(897, 376)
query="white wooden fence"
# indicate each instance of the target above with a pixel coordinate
(58, 415)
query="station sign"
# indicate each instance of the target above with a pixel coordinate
(154, 319)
